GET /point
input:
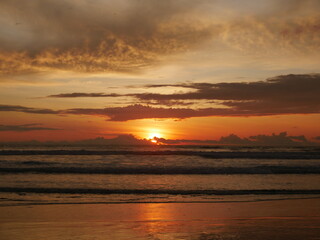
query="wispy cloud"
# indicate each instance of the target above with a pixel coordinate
(25, 128)
(75, 95)
(17, 108)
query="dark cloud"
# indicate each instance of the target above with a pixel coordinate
(120, 140)
(285, 94)
(25, 127)
(123, 139)
(280, 139)
(233, 139)
(283, 86)
(131, 112)
(279, 95)
(139, 111)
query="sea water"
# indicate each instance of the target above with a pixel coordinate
(161, 174)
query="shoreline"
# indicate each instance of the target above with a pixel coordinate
(276, 219)
(153, 202)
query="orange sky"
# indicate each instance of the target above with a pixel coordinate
(175, 69)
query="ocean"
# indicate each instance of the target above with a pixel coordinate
(156, 174)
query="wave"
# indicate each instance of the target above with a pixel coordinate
(159, 191)
(166, 171)
(206, 154)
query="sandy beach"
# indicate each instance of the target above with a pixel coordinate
(278, 219)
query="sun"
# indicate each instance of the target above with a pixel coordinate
(154, 135)
(153, 141)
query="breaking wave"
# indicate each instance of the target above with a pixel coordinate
(206, 154)
(159, 191)
(166, 170)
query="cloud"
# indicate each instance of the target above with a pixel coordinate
(120, 140)
(233, 139)
(168, 103)
(128, 35)
(25, 127)
(284, 94)
(281, 139)
(95, 36)
(123, 139)
(138, 111)
(287, 85)
(16, 108)
(75, 95)
(131, 112)
(95, 95)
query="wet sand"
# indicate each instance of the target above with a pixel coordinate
(279, 219)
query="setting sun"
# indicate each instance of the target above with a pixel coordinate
(154, 135)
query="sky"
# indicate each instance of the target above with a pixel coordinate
(183, 69)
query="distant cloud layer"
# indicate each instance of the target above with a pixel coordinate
(25, 128)
(281, 139)
(128, 35)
